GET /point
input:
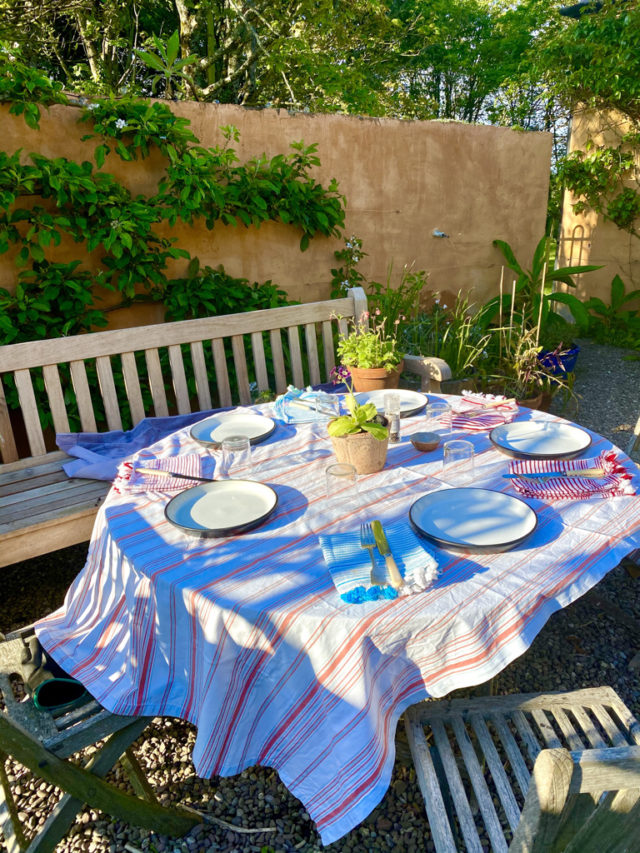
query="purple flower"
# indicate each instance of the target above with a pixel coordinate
(340, 374)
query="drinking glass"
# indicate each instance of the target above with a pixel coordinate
(343, 498)
(341, 479)
(392, 414)
(327, 406)
(236, 461)
(458, 467)
(439, 417)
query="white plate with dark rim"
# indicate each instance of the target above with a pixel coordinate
(221, 508)
(410, 401)
(470, 519)
(214, 429)
(540, 440)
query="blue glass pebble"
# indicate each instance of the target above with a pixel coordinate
(360, 594)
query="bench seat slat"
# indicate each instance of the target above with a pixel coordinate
(57, 509)
(132, 386)
(156, 383)
(200, 374)
(108, 392)
(222, 374)
(30, 412)
(242, 373)
(278, 361)
(56, 398)
(8, 449)
(83, 396)
(311, 342)
(296, 356)
(259, 360)
(51, 496)
(179, 380)
(328, 350)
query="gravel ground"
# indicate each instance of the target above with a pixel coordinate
(587, 644)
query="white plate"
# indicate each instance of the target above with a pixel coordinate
(477, 520)
(410, 401)
(214, 429)
(540, 440)
(222, 507)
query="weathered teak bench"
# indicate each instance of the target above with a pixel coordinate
(168, 368)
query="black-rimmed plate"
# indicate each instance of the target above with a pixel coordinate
(411, 402)
(221, 508)
(540, 440)
(476, 520)
(214, 429)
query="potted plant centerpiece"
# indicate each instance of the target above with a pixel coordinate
(372, 355)
(360, 437)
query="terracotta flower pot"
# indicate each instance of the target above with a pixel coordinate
(532, 402)
(366, 453)
(375, 378)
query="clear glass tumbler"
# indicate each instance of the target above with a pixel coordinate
(392, 414)
(236, 463)
(458, 466)
(439, 417)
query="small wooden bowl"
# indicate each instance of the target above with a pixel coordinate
(425, 441)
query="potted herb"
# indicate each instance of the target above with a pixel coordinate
(360, 437)
(373, 356)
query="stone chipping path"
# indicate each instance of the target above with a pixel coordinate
(584, 645)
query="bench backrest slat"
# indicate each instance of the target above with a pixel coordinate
(111, 380)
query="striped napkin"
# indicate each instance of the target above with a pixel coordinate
(471, 402)
(350, 566)
(193, 464)
(289, 413)
(617, 480)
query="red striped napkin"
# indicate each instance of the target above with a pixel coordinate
(471, 403)
(193, 464)
(617, 480)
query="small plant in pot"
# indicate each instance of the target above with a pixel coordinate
(372, 355)
(361, 437)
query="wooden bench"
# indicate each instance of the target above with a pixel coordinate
(168, 368)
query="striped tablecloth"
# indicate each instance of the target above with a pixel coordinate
(247, 637)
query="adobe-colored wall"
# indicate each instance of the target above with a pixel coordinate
(401, 179)
(590, 239)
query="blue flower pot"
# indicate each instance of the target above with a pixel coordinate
(561, 364)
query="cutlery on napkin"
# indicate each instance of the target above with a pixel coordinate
(599, 476)
(546, 475)
(159, 472)
(486, 407)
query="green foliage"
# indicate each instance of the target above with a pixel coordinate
(166, 63)
(615, 323)
(370, 345)
(25, 87)
(361, 418)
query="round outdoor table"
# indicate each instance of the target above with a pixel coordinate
(246, 636)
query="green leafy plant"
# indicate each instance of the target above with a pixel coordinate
(166, 62)
(361, 418)
(369, 346)
(616, 322)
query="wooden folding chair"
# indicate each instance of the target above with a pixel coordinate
(42, 742)
(528, 772)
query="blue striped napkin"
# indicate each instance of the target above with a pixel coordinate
(350, 566)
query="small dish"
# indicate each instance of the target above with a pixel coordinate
(425, 441)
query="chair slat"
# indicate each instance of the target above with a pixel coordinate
(179, 379)
(200, 375)
(613, 732)
(30, 412)
(132, 386)
(242, 373)
(259, 361)
(631, 725)
(343, 327)
(222, 374)
(518, 765)
(296, 357)
(429, 785)
(551, 739)
(485, 803)
(8, 449)
(278, 361)
(593, 735)
(108, 392)
(564, 723)
(328, 350)
(83, 396)
(311, 342)
(156, 383)
(526, 733)
(463, 810)
(500, 780)
(55, 394)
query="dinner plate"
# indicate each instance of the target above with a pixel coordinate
(540, 439)
(410, 401)
(222, 507)
(214, 429)
(470, 519)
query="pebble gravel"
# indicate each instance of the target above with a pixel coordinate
(587, 644)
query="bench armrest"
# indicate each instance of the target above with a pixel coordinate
(432, 370)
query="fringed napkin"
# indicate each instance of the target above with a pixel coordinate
(477, 412)
(350, 566)
(287, 410)
(615, 481)
(192, 464)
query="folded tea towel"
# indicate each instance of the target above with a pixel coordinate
(615, 482)
(350, 566)
(287, 410)
(99, 453)
(193, 464)
(467, 408)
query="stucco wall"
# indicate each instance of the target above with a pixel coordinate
(401, 179)
(587, 237)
